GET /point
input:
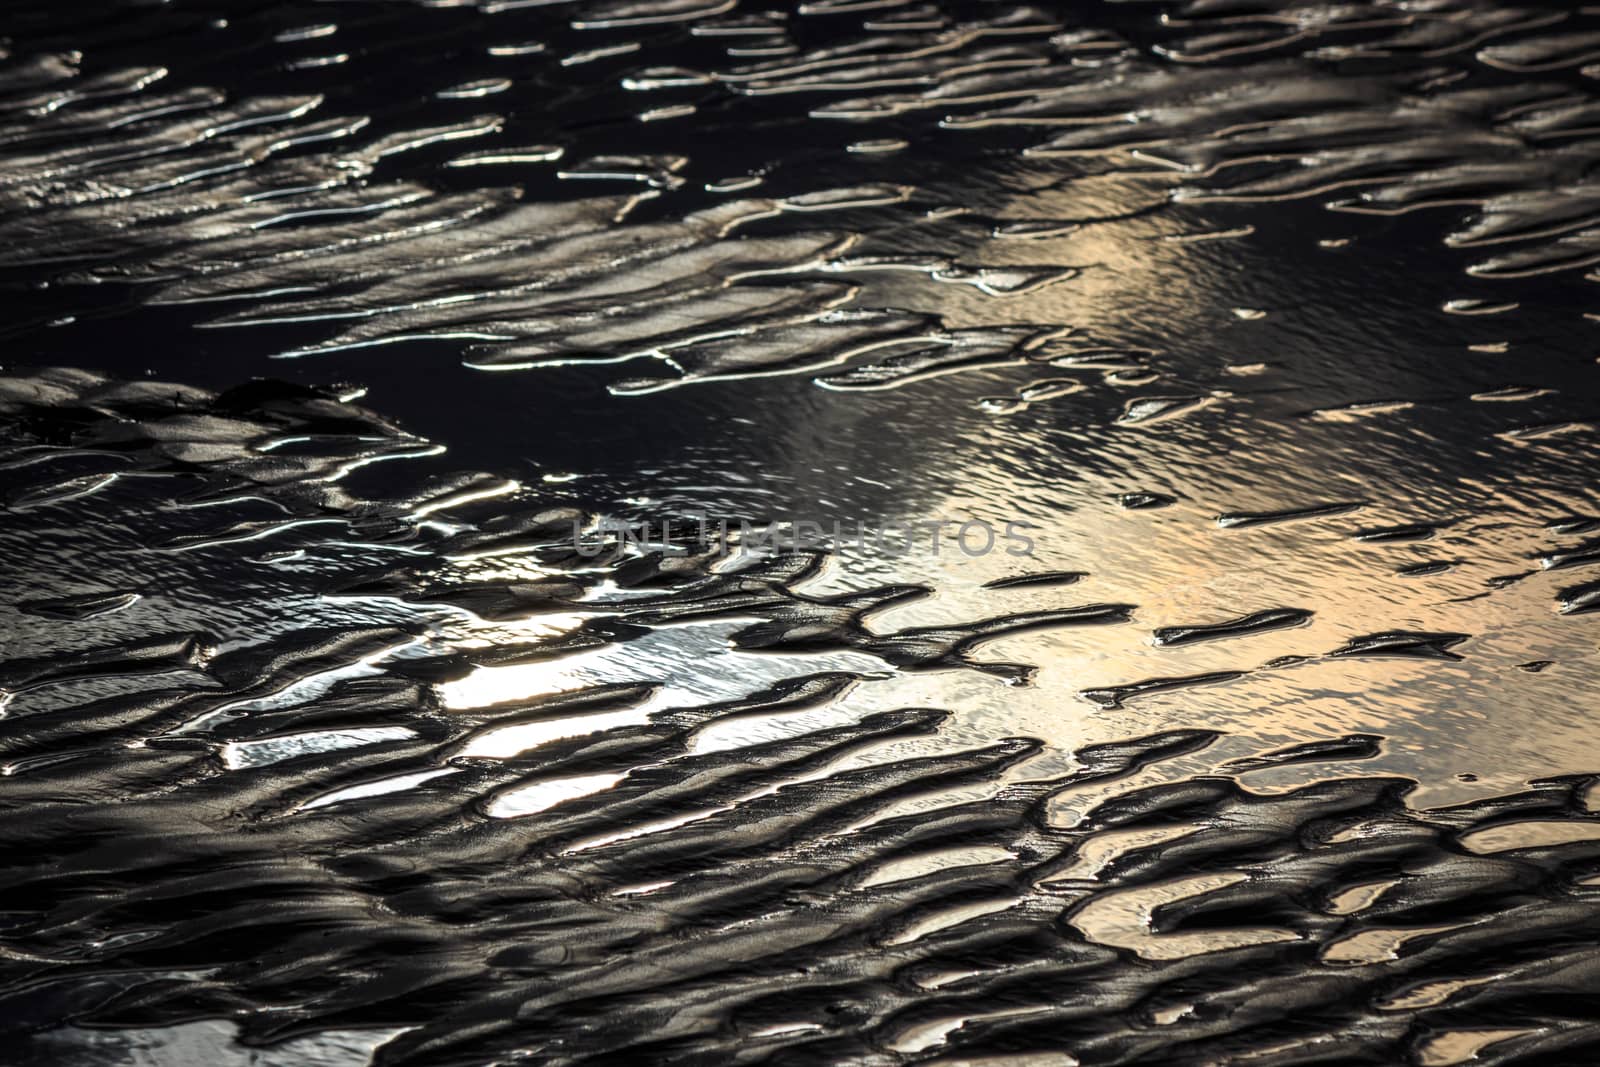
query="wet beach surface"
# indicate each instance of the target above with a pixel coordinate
(329, 324)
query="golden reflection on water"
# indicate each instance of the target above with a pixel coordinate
(1464, 728)
(1122, 918)
(1467, 728)
(1462, 1046)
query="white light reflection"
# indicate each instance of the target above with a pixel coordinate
(538, 796)
(693, 663)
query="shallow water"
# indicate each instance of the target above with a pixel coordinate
(332, 323)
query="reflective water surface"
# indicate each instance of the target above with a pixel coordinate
(326, 738)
